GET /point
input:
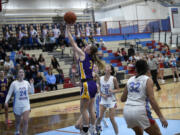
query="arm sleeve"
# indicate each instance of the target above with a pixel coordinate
(11, 90)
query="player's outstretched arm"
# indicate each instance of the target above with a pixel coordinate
(73, 43)
(154, 104)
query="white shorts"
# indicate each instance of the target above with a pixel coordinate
(137, 116)
(20, 110)
(108, 103)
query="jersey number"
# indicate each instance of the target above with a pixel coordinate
(134, 87)
(91, 64)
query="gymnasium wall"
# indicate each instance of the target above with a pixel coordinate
(140, 11)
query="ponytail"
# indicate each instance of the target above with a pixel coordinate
(95, 58)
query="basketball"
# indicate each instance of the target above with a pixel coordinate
(70, 17)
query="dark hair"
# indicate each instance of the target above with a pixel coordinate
(112, 70)
(95, 58)
(141, 67)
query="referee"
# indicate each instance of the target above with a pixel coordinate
(153, 66)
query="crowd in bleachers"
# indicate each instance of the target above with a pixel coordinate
(46, 36)
(39, 74)
(125, 60)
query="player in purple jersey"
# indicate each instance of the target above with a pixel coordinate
(3, 94)
(86, 61)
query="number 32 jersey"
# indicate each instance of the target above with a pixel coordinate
(20, 91)
(137, 91)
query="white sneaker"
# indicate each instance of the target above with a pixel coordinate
(92, 130)
(83, 133)
(174, 79)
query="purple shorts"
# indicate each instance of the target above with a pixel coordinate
(89, 89)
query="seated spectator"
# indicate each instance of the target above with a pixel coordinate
(124, 54)
(39, 82)
(74, 74)
(131, 68)
(41, 63)
(1, 64)
(101, 43)
(79, 42)
(9, 63)
(167, 50)
(50, 42)
(51, 80)
(12, 42)
(33, 61)
(2, 54)
(55, 65)
(131, 51)
(118, 54)
(137, 56)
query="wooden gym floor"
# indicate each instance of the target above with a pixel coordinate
(60, 113)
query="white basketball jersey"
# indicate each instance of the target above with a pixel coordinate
(20, 91)
(106, 86)
(137, 90)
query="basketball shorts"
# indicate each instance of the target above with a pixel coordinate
(89, 89)
(20, 110)
(108, 103)
(137, 116)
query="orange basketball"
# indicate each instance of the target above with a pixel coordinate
(70, 17)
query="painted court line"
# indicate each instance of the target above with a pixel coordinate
(67, 131)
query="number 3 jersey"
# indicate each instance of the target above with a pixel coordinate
(137, 91)
(20, 91)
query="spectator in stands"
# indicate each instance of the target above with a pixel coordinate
(55, 65)
(41, 41)
(98, 29)
(131, 68)
(161, 67)
(33, 61)
(41, 63)
(56, 32)
(166, 61)
(44, 32)
(101, 43)
(137, 56)
(2, 54)
(118, 54)
(31, 73)
(88, 30)
(79, 42)
(7, 32)
(50, 42)
(124, 54)
(39, 82)
(12, 42)
(32, 35)
(9, 63)
(153, 67)
(51, 80)
(167, 50)
(131, 51)
(1, 63)
(16, 69)
(174, 68)
(74, 74)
